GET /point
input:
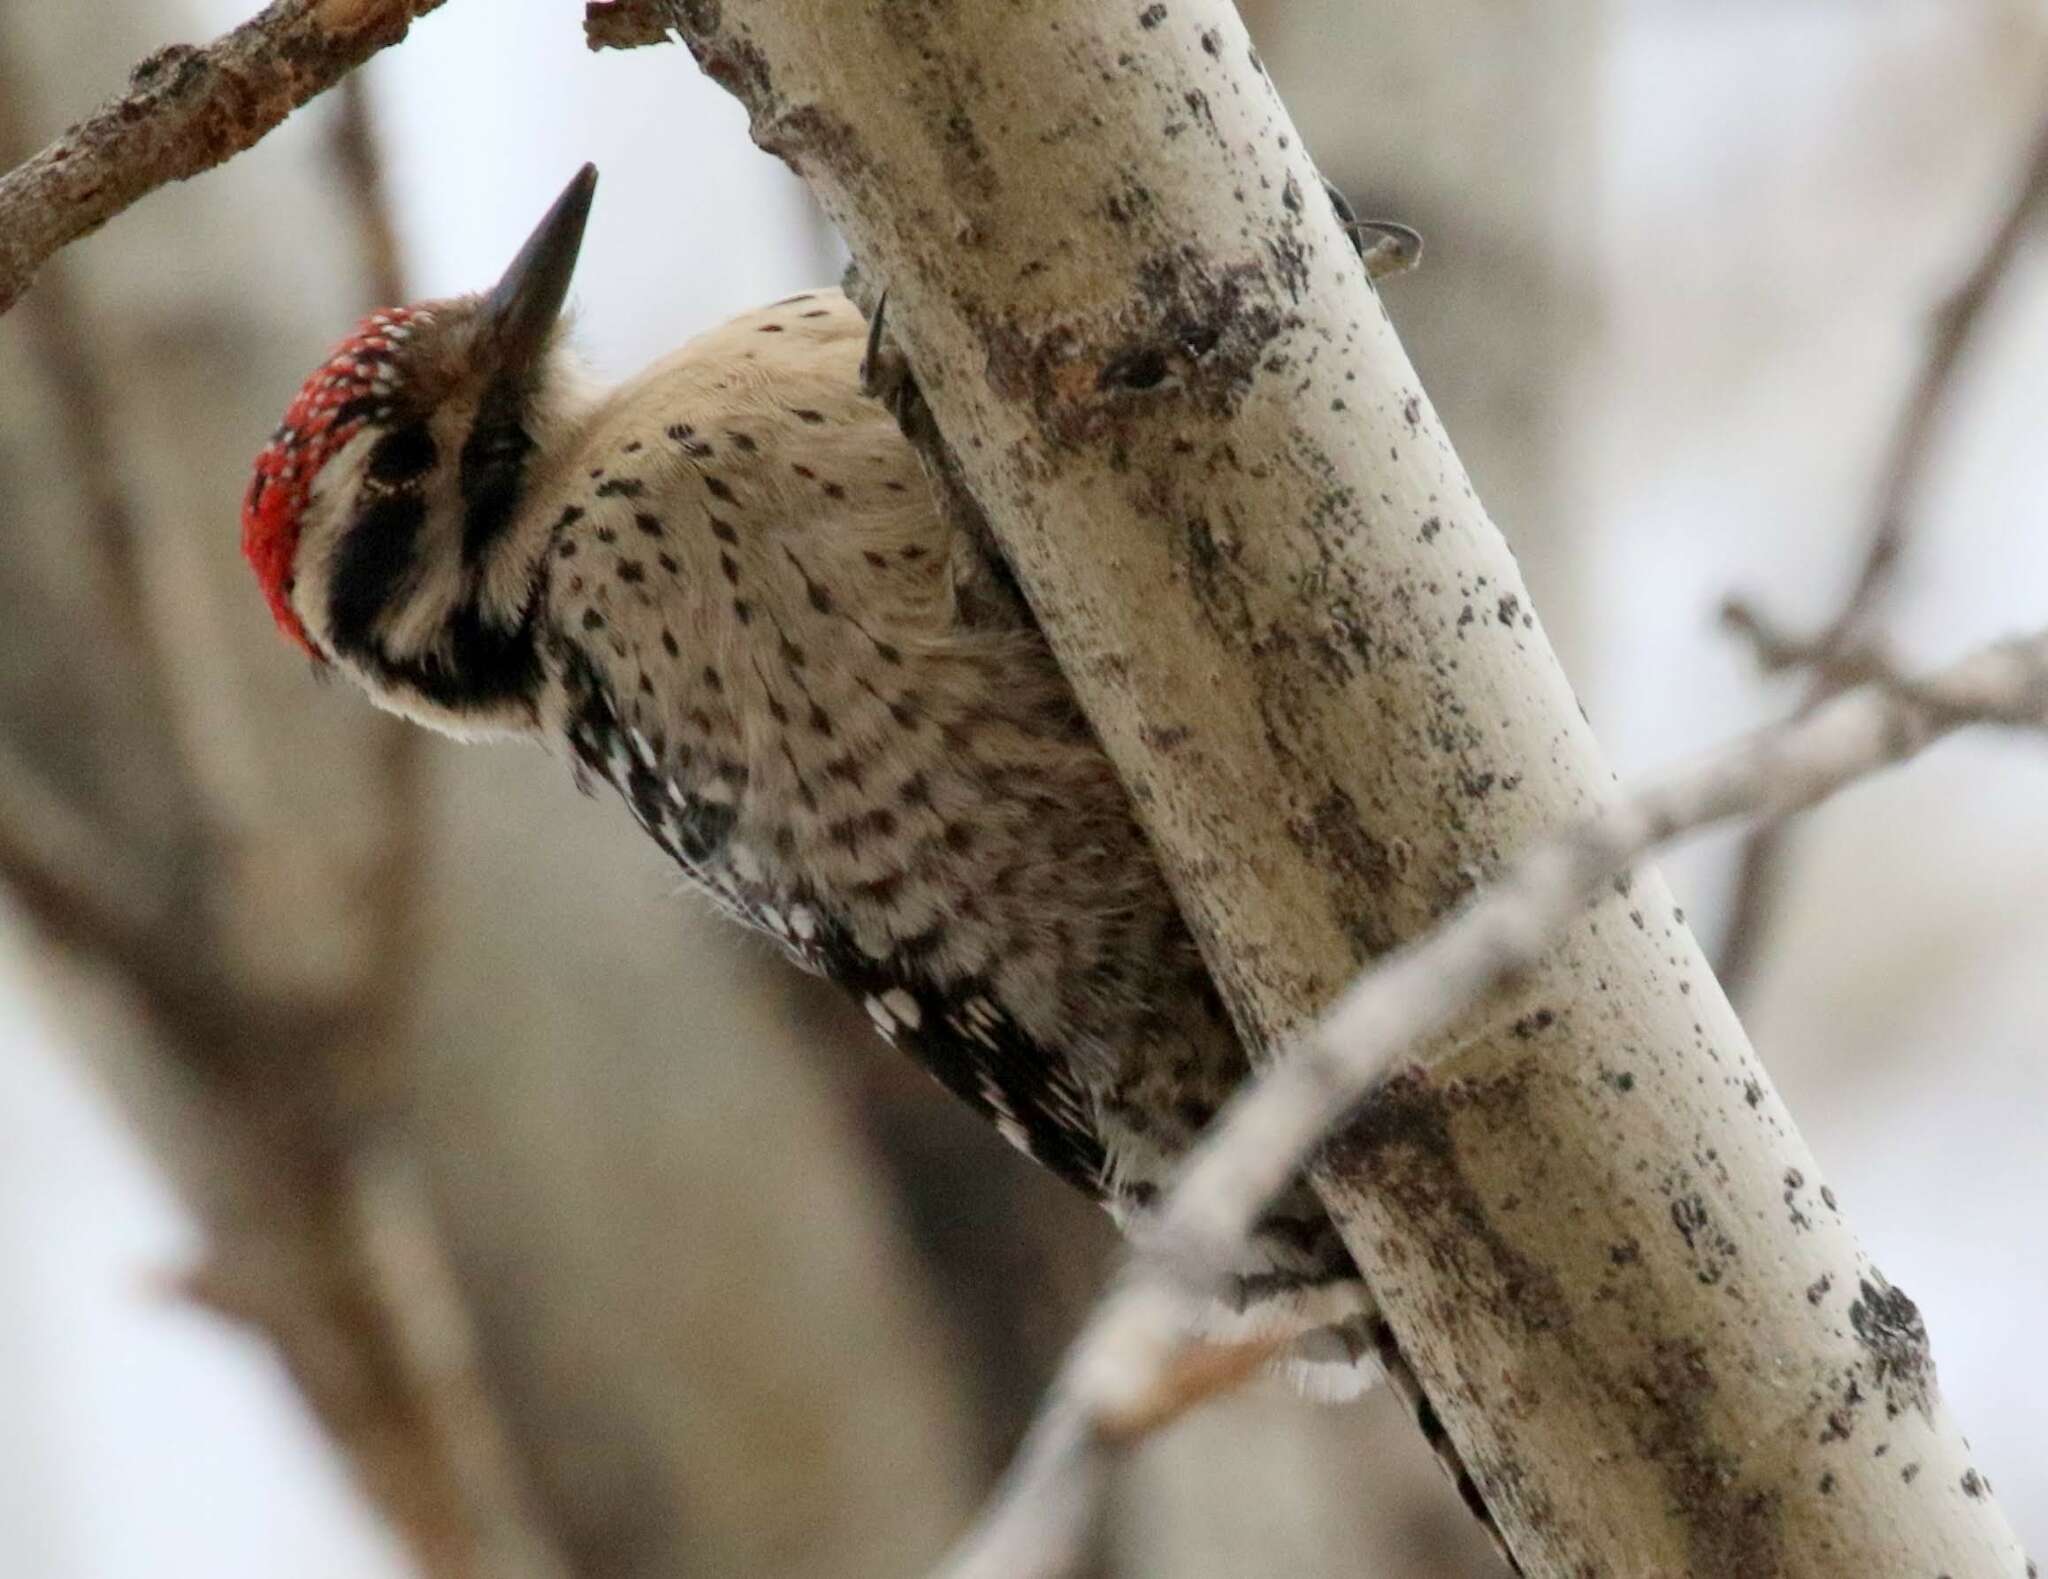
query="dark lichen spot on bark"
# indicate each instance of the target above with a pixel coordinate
(1366, 868)
(1817, 1290)
(1974, 1485)
(1186, 316)
(1509, 607)
(1400, 1144)
(1889, 1328)
(1152, 16)
(1733, 1530)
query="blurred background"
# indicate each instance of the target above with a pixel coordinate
(752, 1297)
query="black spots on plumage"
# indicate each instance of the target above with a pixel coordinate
(491, 470)
(566, 548)
(777, 711)
(882, 891)
(723, 531)
(570, 515)
(632, 572)
(770, 328)
(911, 554)
(718, 489)
(631, 448)
(875, 561)
(712, 682)
(703, 827)
(686, 438)
(667, 561)
(887, 652)
(793, 655)
(820, 599)
(848, 833)
(803, 471)
(902, 714)
(729, 568)
(959, 1031)
(650, 525)
(743, 611)
(646, 685)
(743, 442)
(816, 312)
(670, 645)
(606, 534)
(957, 837)
(593, 620)
(621, 488)
(820, 722)
(894, 486)
(806, 414)
(846, 769)
(915, 790)
(834, 491)
(402, 455)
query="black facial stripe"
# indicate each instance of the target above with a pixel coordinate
(493, 467)
(485, 664)
(371, 564)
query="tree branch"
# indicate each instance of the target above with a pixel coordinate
(1311, 658)
(1761, 864)
(186, 110)
(1129, 1363)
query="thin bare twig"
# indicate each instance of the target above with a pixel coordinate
(1127, 1352)
(1761, 865)
(628, 24)
(186, 110)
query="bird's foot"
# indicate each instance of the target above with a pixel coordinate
(1385, 246)
(885, 371)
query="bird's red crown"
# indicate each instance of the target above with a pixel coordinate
(351, 387)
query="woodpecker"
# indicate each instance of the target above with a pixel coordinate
(726, 590)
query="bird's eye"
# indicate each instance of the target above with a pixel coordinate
(402, 454)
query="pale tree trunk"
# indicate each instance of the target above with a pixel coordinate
(1635, 1304)
(1477, 121)
(408, 1012)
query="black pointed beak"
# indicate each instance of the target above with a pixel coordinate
(524, 305)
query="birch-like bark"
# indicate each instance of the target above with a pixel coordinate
(1597, 1232)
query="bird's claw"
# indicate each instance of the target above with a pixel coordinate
(1385, 246)
(885, 371)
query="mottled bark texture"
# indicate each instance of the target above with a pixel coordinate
(185, 111)
(1596, 1231)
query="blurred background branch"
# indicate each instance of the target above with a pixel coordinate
(1764, 862)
